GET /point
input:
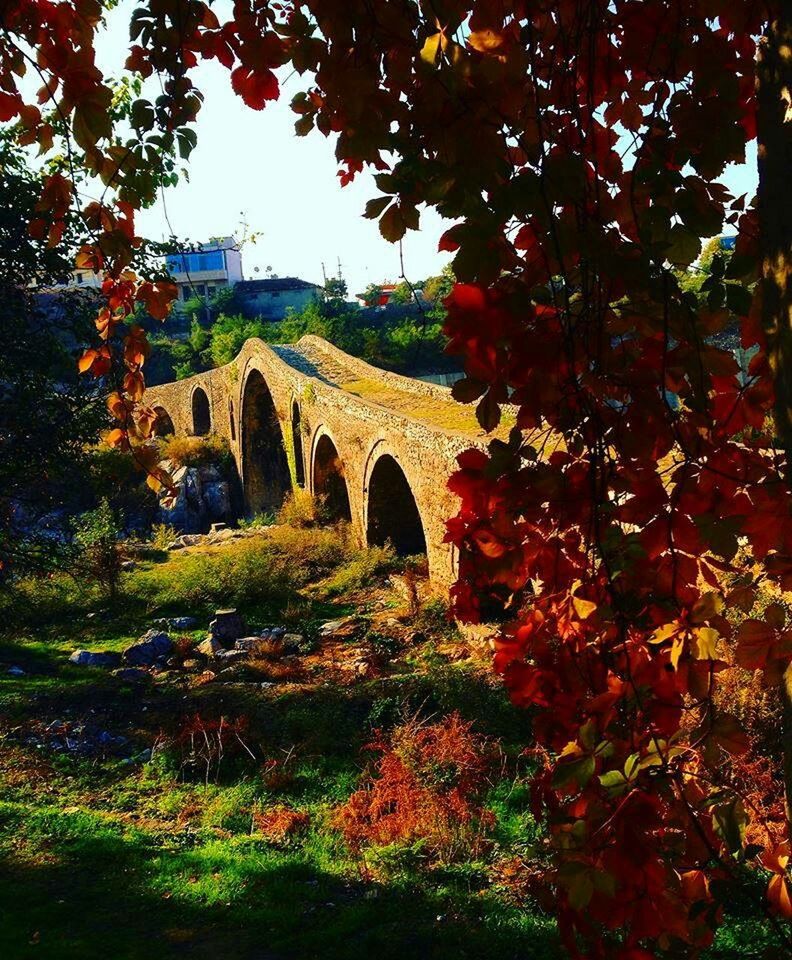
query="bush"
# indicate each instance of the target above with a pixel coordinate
(194, 451)
(96, 535)
(161, 535)
(299, 509)
(427, 787)
(362, 570)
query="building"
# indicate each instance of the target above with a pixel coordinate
(271, 297)
(206, 269)
(384, 294)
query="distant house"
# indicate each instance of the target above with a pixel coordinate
(271, 297)
(384, 294)
(206, 269)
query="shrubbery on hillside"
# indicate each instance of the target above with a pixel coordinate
(400, 338)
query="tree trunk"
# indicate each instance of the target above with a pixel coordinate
(774, 93)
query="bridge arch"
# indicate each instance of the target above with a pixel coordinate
(164, 425)
(328, 479)
(265, 468)
(297, 443)
(391, 510)
(201, 412)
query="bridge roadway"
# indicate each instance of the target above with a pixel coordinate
(377, 446)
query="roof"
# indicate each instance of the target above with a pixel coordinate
(274, 284)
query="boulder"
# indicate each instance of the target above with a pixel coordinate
(293, 642)
(192, 664)
(250, 644)
(15, 671)
(95, 658)
(345, 627)
(209, 647)
(152, 646)
(231, 656)
(227, 627)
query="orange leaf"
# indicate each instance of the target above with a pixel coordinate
(157, 297)
(778, 896)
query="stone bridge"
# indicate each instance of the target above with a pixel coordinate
(377, 446)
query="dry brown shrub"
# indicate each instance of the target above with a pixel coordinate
(184, 451)
(279, 823)
(427, 784)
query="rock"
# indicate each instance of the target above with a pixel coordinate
(150, 647)
(293, 642)
(346, 627)
(128, 564)
(15, 671)
(231, 656)
(132, 674)
(250, 644)
(192, 664)
(209, 647)
(227, 626)
(95, 658)
(218, 526)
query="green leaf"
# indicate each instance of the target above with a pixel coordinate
(730, 821)
(467, 390)
(392, 225)
(578, 771)
(613, 781)
(375, 207)
(304, 125)
(684, 246)
(488, 411)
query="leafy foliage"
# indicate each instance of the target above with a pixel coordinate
(599, 535)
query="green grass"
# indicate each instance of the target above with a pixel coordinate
(100, 857)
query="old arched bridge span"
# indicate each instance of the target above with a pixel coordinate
(377, 446)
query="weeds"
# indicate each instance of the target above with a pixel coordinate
(203, 743)
(361, 571)
(184, 451)
(280, 823)
(427, 785)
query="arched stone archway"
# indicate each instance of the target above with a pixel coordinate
(164, 425)
(201, 413)
(297, 445)
(392, 511)
(265, 468)
(329, 482)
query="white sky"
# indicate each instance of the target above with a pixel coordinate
(251, 166)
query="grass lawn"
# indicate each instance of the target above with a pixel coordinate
(109, 851)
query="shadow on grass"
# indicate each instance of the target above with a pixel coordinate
(99, 891)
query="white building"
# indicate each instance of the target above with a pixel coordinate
(210, 267)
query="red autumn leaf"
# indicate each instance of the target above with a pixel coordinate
(255, 87)
(157, 297)
(9, 106)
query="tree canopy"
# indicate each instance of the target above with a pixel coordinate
(578, 149)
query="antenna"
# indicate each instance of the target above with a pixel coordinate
(339, 268)
(324, 275)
